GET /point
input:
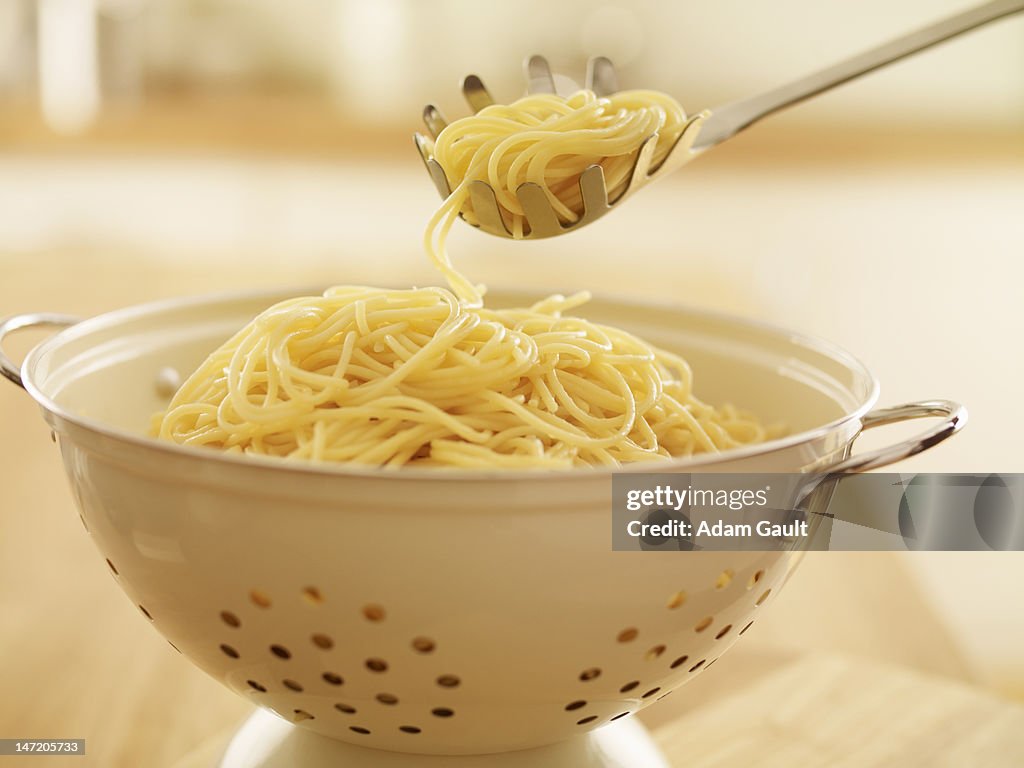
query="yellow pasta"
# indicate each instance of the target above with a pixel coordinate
(431, 376)
(548, 140)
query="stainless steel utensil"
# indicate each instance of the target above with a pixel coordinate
(702, 132)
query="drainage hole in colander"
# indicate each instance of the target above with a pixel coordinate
(724, 579)
(312, 595)
(667, 693)
(442, 712)
(618, 717)
(377, 665)
(679, 662)
(345, 708)
(256, 686)
(628, 635)
(145, 612)
(650, 693)
(629, 686)
(654, 653)
(229, 651)
(332, 679)
(358, 729)
(84, 524)
(703, 624)
(590, 673)
(746, 627)
(301, 714)
(423, 645)
(448, 681)
(723, 632)
(710, 663)
(698, 665)
(586, 720)
(763, 597)
(676, 600)
(387, 698)
(174, 646)
(755, 578)
(110, 565)
(374, 613)
(280, 651)
(410, 729)
(292, 685)
(259, 598)
(230, 619)
(322, 641)
(574, 705)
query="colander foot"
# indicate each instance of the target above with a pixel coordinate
(266, 741)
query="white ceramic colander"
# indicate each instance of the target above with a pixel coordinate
(425, 612)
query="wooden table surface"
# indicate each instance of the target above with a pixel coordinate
(851, 666)
(821, 710)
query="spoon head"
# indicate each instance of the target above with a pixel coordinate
(541, 218)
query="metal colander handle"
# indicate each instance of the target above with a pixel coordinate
(18, 322)
(953, 416)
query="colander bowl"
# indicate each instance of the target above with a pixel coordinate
(426, 612)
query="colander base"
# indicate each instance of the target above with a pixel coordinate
(266, 741)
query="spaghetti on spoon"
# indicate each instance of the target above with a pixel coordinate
(546, 164)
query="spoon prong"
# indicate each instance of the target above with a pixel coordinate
(476, 93)
(439, 177)
(601, 77)
(537, 208)
(644, 158)
(434, 120)
(485, 206)
(538, 75)
(683, 149)
(423, 146)
(594, 193)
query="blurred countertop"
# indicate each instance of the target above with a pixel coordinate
(287, 122)
(911, 260)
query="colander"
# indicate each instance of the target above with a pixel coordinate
(416, 616)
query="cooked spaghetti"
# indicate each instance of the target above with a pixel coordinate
(548, 140)
(432, 377)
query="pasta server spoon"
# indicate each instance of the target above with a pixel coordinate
(700, 133)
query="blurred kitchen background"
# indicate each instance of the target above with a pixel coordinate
(152, 148)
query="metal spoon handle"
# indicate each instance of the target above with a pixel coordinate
(733, 118)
